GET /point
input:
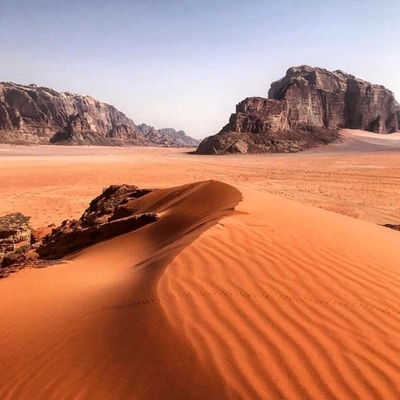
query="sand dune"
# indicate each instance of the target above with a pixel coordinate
(292, 303)
(63, 339)
(275, 300)
(356, 141)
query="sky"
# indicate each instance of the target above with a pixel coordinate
(186, 64)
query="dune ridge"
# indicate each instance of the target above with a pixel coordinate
(54, 341)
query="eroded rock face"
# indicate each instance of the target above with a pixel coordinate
(336, 99)
(39, 115)
(42, 115)
(106, 217)
(304, 109)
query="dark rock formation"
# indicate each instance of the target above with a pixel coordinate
(15, 235)
(106, 217)
(108, 206)
(303, 110)
(286, 141)
(391, 226)
(39, 115)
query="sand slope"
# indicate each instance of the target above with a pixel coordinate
(81, 330)
(292, 302)
(278, 300)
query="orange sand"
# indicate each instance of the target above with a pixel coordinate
(276, 300)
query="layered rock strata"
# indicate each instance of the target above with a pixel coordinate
(39, 115)
(303, 109)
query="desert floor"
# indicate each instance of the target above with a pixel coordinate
(294, 295)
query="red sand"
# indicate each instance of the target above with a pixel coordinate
(278, 299)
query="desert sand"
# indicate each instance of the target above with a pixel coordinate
(266, 277)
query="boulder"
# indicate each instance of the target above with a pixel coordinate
(239, 147)
(15, 236)
(11, 259)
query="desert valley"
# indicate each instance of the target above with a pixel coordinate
(294, 294)
(254, 276)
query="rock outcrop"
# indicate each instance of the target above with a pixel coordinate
(15, 235)
(287, 141)
(106, 217)
(392, 226)
(304, 109)
(39, 115)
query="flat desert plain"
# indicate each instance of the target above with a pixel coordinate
(266, 276)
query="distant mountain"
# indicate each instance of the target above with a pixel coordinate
(39, 115)
(167, 137)
(305, 109)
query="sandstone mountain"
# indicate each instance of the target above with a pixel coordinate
(39, 115)
(167, 137)
(304, 109)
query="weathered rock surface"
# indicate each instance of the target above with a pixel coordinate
(336, 99)
(303, 110)
(287, 141)
(15, 234)
(39, 115)
(106, 217)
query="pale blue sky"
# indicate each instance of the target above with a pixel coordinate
(185, 64)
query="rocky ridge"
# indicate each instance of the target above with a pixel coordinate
(39, 115)
(304, 109)
(106, 217)
(167, 137)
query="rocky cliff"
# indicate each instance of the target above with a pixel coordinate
(305, 108)
(39, 115)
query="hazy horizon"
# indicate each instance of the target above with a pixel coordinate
(185, 64)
